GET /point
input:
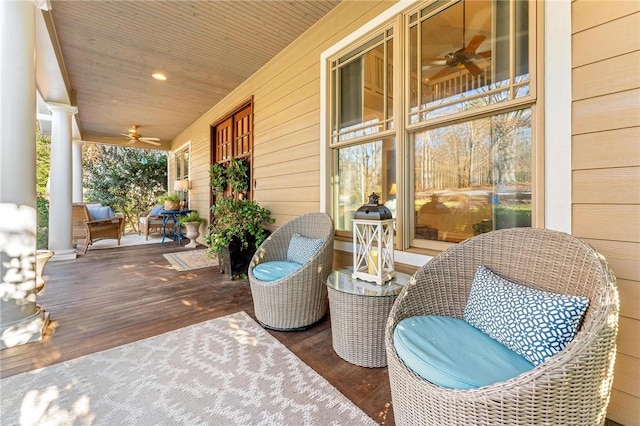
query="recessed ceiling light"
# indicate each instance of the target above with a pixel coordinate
(159, 76)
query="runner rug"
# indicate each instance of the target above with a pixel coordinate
(191, 259)
(226, 371)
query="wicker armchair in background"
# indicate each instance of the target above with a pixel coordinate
(299, 299)
(149, 222)
(570, 388)
(84, 227)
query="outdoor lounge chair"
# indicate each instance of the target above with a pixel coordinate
(299, 298)
(151, 221)
(570, 387)
(85, 227)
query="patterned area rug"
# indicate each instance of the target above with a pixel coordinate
(226, 371)
(192, 259)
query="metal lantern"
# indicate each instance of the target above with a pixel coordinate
(373, 242)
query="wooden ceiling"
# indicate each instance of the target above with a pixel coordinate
(206, 49)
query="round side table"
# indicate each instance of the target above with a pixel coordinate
(359, 312)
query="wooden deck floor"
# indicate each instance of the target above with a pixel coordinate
(107, 298)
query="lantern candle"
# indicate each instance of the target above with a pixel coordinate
(372, 263)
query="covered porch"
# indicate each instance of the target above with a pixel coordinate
(133, 294)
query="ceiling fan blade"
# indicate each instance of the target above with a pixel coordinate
(475, 42)
(485, 55)
(145, 140)
(442, 73)
(431, 60)
(473, 68)
(149, 139)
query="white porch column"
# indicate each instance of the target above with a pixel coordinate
(77, 171)
(61, 182)
(21, 319)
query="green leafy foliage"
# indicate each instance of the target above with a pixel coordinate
(233, 216)
(127, 179)
(168, 197)
(236, 218)
(194, 216)
(218, 178)
(238, 175)
(43, 165)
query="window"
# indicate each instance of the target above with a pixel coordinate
(362, 126)
(181, 160)
(468, 103)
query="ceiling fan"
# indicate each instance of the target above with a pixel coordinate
(463, 57)
(134, 136)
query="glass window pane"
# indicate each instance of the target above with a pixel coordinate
(414, 74)
(457, 51)
(390, 79)
(473, 177)
(185, 157)
(522, 40)
(361, 170)
(178, 165)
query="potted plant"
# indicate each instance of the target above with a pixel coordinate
(192, 222)
(218, 178)
(171, 201)
(237, 224)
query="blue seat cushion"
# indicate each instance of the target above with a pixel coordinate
(98, 212)
(452, 354)
(156, 209)
(272, 271)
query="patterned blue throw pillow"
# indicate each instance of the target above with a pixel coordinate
(533, 323)
(301, 248)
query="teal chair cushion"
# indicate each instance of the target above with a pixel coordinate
(98, 212)
(156, 209)
(272, 271)
(453, 354)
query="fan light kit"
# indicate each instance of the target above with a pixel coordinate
(134, 136)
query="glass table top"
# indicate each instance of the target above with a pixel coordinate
(342, 281)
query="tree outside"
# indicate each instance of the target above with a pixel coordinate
(43, 165)
(127, 179)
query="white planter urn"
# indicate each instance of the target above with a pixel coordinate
(41, 259)
(193, 232)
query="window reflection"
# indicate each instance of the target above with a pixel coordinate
(361, 170)
(466, 56)
(473, 177)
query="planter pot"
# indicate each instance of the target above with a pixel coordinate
(193, 232)
(235, 262)
(171, 205)
(42, 256)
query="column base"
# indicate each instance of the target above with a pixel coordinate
(30, 329)
(64, 254)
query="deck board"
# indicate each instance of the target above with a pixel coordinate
(111, 297)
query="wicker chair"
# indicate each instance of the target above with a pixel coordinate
(570, 388)
(299, 299)
(89, 230)
(148, 223)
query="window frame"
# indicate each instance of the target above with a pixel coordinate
(407, 252)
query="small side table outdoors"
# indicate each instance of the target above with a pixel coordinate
(359, 312)
(177, 228)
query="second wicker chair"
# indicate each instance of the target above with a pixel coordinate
(570, 388)
(299, 299)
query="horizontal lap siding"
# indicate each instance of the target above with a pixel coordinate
(606, 168)
(286, 100)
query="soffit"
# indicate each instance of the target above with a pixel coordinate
(111, 48)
